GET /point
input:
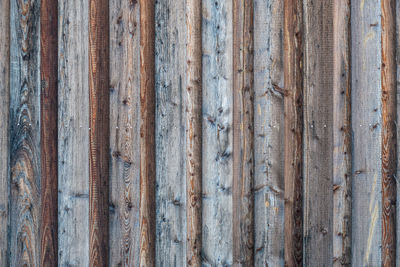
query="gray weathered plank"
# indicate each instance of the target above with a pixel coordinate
(268, 133)
(170, 62)
(4, 116)
(73, 137)
(318, 108)
(397, 47)
(217, 133)
(366, 126)
(124, 133)
(24, 134)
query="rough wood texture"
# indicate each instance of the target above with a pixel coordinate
(48, 131)
(366, 126)
(397, 18)
(193, 131)
(124, 133)
(4, 130)
(318, 108)
(24, 132)
(73, 134)
(217, 133)
(99, 130)
(268, 133)
(389, 137)
(341, 135)
(147, 132)
(293, 106)
(243, 134)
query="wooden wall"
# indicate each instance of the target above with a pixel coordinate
(199, 133)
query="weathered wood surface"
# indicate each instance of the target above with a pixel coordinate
(243, 134)
(318, 108)
(124, 133)
(397, 47)
(366, 126)
(4, 118)
(73, 134)
(49, 131)
(341, 164)
(217, 133)
(99, 132)
(170, 64)
(293, 132)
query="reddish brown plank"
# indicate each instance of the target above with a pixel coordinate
(293, 113)
(147, 132)
(194, 134)
(389, 142)
(48, 131)
(98, 131)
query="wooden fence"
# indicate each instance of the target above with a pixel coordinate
(199, 133)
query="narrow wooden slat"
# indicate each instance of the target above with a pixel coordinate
(366, 126)
(4, 130)
(73, 134)
(24, 239)
(293, 107)
(268, 133)
(342, 173)
(193, 132)
(124, 133)
(389, 137)
(48, 131)
(243, 134)
(217, 133)
(397, 47)
(98, 131)
(147, 132)
(318, 133)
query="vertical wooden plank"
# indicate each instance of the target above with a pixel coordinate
(24, 134)
(73, 134)
(268, 133)
(170, 60)
(318, 108)
(217, 133)
(4, 130)
(293, 107)
(243, 134)
(389, 142)
(147, 132)
(124, 133)
(366, 126)
(193, 131)
(48, 131)
(341, 135)
(98, 131)
(397, 48)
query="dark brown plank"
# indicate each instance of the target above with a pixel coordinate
(243, 133)
(293, 112)
(98, 131)
(48, 131)
(147, 132)
(389, 137)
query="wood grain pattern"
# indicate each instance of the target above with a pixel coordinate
(73, 134)
(48, 131)
(24, 239)
(99, 131)
(342, 173)
(389, 137)
(147, 132)
(124, 133)
(268, 134)
(217, 133)
(293, 106)
(318, 133)
(4, 130)
(193, 131)
(366, 126)
(243, 134)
